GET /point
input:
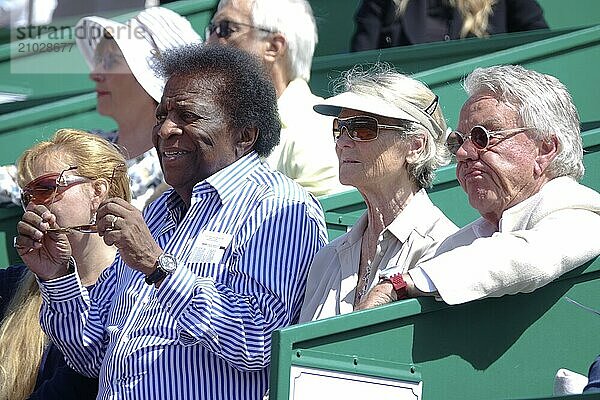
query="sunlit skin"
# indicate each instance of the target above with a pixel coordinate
(373, 167)
(507, 172)
(191, 136)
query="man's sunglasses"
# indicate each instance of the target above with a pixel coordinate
(480, 137)
(223, 29)
(360, 129)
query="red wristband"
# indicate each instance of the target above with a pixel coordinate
(399, 285)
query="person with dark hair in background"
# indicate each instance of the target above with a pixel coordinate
(389, 23)
(214, 265)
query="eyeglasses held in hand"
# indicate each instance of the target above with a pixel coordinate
(480, 137)
(223, 29)
(361, 128)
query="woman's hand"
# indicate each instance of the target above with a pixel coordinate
(46, 254)
(122, 225)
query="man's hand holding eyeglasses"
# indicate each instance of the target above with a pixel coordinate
(46, 254)
(122, 225)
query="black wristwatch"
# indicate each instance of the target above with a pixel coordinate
(166, 264)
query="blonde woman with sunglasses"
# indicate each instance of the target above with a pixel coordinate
(389, 134)
(69, 175)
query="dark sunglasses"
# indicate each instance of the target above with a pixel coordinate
(47, 188)
(223, 29)
(480, 137)
(360, 129)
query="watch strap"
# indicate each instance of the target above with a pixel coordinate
(155, 276)
(400, 286)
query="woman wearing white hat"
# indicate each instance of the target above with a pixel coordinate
(121, 58)
(389, 132)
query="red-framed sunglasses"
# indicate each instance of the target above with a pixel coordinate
(48, 188)
(362, 128)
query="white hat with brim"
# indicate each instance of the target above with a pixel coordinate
(141, 39)
(376, 105)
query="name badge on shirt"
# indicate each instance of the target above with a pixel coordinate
(210, 247)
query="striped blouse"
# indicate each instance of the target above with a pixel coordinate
(243, 248)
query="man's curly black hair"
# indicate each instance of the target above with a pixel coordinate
(241, 85)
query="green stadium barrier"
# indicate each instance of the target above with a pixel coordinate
(498, 348)
(572, 57)
(334, 21)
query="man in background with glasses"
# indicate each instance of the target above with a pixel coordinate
(519, 158)
(283, 35)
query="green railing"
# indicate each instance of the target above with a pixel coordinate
(498, 348)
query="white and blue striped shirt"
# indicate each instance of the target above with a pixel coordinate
(206, 332)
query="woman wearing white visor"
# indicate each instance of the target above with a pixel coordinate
(389, 132)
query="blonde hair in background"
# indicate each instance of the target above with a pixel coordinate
(22, 341)
(475, 14)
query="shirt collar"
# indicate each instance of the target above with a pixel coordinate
(230, 179)
(225, 182)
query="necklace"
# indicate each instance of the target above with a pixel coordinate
(365, 283)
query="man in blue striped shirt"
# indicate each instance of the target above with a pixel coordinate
(187, 309)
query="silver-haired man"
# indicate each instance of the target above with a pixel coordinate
(519, 159)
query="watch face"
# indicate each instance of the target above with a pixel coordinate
(167, 263)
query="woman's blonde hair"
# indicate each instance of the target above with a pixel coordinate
(475, 15)
(22, 341)
(95, 158)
